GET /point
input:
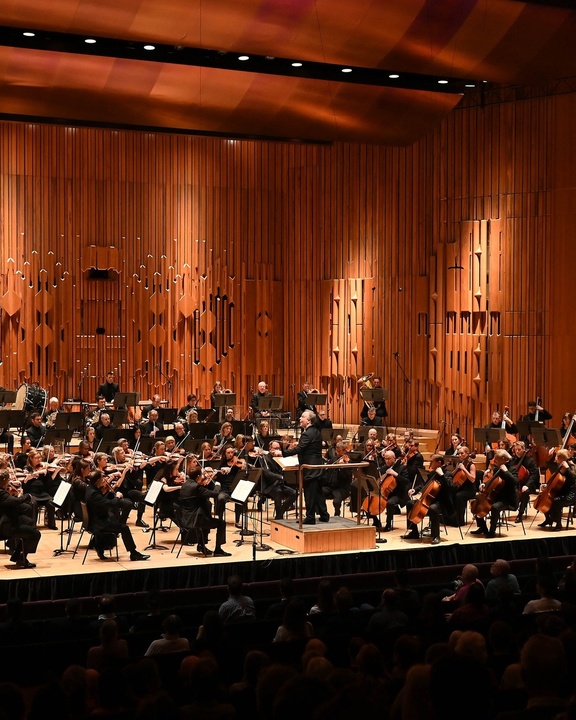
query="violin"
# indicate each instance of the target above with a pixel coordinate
(493, 484)
(409, 455)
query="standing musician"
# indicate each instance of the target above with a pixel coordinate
(536, 413)
(151, 427)
(527, 474)
(504, 496)
(108, 388)
(381, 411)
(261, 392)
(17, 523)
(309, 452)
(195, 498)
(337, 481)
(36, 430)
(102, 503)
(438, 502)
(273, 485)
(566, 493)
(464, 484)
(302, 401)
(398, 497)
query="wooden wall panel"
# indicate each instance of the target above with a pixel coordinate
(444, 267)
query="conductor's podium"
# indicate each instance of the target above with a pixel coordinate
(338, 535)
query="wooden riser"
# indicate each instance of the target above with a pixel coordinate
(337, 535)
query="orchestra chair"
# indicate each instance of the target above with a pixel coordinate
(112, 540)
(186, 535)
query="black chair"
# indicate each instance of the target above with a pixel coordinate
(106, 540)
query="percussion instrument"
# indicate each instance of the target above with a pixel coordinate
(30, 398)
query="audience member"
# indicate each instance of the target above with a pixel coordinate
(238, 606)
(171, 640)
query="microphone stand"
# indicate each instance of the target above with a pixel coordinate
(406, 381)
(168, 382)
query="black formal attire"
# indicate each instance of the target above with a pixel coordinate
(7, 437)
(151, 429)
(303, 404)
(413, 464)
(543, 416)
(398, 497)
(274, 486)
(195, 500)
(527, 474)
(42, 489)
(505, 499)
(372, 422)
(440, 506)
(36, 434)
(309, 452)
(226, 480)
(185, 409)
(145, 411)
(337, 483)
(255, 404)
(108, 391)
(131, 488)
(17, 522)
(381, 410)
(463, 493)
(100, 429)
(101, 511)
(565, 497)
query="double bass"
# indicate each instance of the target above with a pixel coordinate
(493, 484)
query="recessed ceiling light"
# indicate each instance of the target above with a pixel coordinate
(29, 34)
(442, 82)
(296, 64)
(346, 69)
(470, 85)
(244, 57)
(394, 77)
(149, 47)
(90, 41)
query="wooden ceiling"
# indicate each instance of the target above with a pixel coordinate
(503, 42)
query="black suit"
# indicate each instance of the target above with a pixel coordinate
(101, 509)
(195, 502)
(309, 451)
(108, 390)
(16, 521)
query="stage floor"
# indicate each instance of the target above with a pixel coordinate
(263, 546)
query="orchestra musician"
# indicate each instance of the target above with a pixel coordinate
(172, 476)
(456, 442)
(51, 411)
(261, 392)
(171, 447)
(323, 422)
(536, 413)
(309, 452)
(566, 494)
(103, 424)
(500, 421)
(302, 402)
(337, 481)
(115, 479)
(108, 388)
(36, 430)
(195, 499)
(391, 443)
(21, 457)
(154, 404)
(440, 501)
(371, 419)
(216, 390)
(464, 482)
(17, 523)
(156, 461)
(413, 460)
(229, 415)
(180, 434)
(505, 497)
(151, 427)
(132, 483)
(93, 418)
(527, 473)
(191, 404)
(40, 484)
(224, 437)
(78, 479)
(398, 497)
(230, 464)
(273, 484)
(102, 504)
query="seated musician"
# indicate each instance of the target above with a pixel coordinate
(40, 485)
(440, 503)
(79, 480)
(156, 461)
(523, 467)
(102, 503)
(498, 422)
(337, 481)
(371, 419)
(464, 484)
(195, 500)
(230, 464)
(180, 434)
(21, 457)
(113, 474)
(263, 434)
(132, 482)
(398, 497)
(456, 442)
(51, 411)
(17, 523)
(323, 422)
(104, 424)
(207, 453)
(302, 402)
(85, 450)
(413, 460)
(274, 485)
(191, 404)
(216, 390)
(151, 427)
(173, 477)
(154, 404)
(171, 448)
(261, 392)
(7, 437)
(391, 443)
(331, 453)
(93, 418)
(229, 415)
(566, 493)
(380, 406)
(36, 430)
(505, 496)
(223, 438)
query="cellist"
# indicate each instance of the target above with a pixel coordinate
(440, 501)
(498, 491)
(393, 470)
(463, 481)
(527, 474)
(566, 494)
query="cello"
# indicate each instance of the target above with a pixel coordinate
(375, 505)
(422, 505)
(553, 484)
(482, 503)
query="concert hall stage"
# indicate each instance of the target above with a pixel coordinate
(262, 557)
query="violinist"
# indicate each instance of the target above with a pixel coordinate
(398, 497)
(206, 454)
(463, 481)
(222, 438)
(497, 492)
(172, 449)
(79, 480)
(21, 457)
(337, 481)
(132, 482)
(437, 503)
(391, 443)
(103, 506)
(17, 524)
(195, 500)
(565, 496)
(331, 452)
(230, 465)
(263, 435)
(413, 461)
(90, 437)
(408, 440)
(155, 462)
(38, 482)
(274, 485)
(527, 474)
(114, 477)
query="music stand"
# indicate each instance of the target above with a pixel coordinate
(126, 399)
(192, 445)
(222, 401)
(146, 444)
(547, 436)
(487, 436)
(61, 421)
(316, 398)
(58, 501)
(118, 417)
(12, 418)
(270, 402)
(374, 395)
(7, 396)
(525, 428)
(167, 416)
(204, 413)
(240, 491)
(53, 434)
(151, 498)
